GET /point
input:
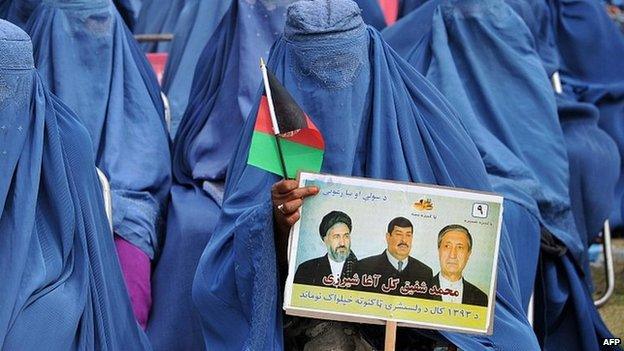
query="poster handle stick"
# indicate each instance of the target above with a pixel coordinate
(391, 331)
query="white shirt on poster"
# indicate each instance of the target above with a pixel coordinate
(458, 286)
(395, 263)
(336, 268)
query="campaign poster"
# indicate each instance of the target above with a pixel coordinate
(372, 251)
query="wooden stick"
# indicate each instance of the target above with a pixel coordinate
(143, 38)
(391, 330)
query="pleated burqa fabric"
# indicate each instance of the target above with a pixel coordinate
(62, 286)
(380, 119)
(565, 313)
(129, 11)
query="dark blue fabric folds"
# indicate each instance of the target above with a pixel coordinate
(89, 59)
(565, 313)
(537, 18)
(533, 12)
(393, 125)
(19, 11)
(408, 6)
(129, 11)
(372, 13)
(195, 26)
(590, 46)
(62, 287)
(593, 154)
(224, 87)
(594, 169)
(4, 8)
(157, 16)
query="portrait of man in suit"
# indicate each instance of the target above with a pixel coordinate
(454, 249)
(338, 262)
(395, 261)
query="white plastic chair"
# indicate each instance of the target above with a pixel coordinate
(106, 194)
(608, 265)
(165, 100)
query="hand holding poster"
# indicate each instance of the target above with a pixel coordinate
(374, 251)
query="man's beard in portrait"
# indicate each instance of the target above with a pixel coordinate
(338, 255)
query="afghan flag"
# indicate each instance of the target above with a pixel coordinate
(284, 138)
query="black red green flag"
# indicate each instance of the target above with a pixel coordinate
(284, 136)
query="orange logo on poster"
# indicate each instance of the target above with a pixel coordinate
(423, 205)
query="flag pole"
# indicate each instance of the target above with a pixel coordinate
(276, 130)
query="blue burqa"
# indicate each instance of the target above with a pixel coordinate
(372, 13)
(89, 59)
(129, 11)
(392, 125)
(156, 17)
(567, 308)
(496, 86)
(196, 25)
(442, 40)
(590, 47)
(62, 287)
(4, 8)
(593, 154)
(19, 11)
(408, 6)
(225, 85)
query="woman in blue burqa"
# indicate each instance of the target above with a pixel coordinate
(593, 154)
(590, 46)
(90, 60)
(224, 89)
(380, 119)
(505, 99)
(62, 287)
(595, 162)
